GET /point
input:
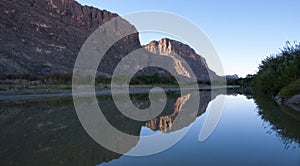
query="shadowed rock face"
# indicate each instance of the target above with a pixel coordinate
(44, 36)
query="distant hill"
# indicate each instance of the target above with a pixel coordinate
(232, 77)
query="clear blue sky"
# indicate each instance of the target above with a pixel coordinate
(243, 32)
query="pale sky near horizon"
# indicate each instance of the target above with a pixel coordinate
(243, 32)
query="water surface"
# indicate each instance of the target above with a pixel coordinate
(250, 132)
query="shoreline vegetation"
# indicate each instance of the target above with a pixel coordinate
(278, 77)
(279, 74)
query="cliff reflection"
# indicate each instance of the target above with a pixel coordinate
(164, 123)
(49, 132)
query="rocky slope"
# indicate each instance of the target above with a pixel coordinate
(43, 37)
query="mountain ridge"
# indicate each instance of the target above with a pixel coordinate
(44, 37)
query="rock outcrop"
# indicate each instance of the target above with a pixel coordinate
(170, 48)
(292, 102)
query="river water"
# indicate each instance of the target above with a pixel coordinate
(251, 131)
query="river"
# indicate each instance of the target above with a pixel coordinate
(251, 131)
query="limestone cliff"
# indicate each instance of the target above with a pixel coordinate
(170, 48)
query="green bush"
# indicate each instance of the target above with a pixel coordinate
(278, 71)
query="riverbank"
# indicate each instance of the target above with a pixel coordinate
(290, 95)
(31, 94)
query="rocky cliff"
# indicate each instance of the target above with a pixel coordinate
(170, 48)
(44, 36)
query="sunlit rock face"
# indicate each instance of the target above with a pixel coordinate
(172, 48)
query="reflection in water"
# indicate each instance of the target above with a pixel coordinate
(282, 119)
(164, 123)
(46, 133)
(49, 132)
